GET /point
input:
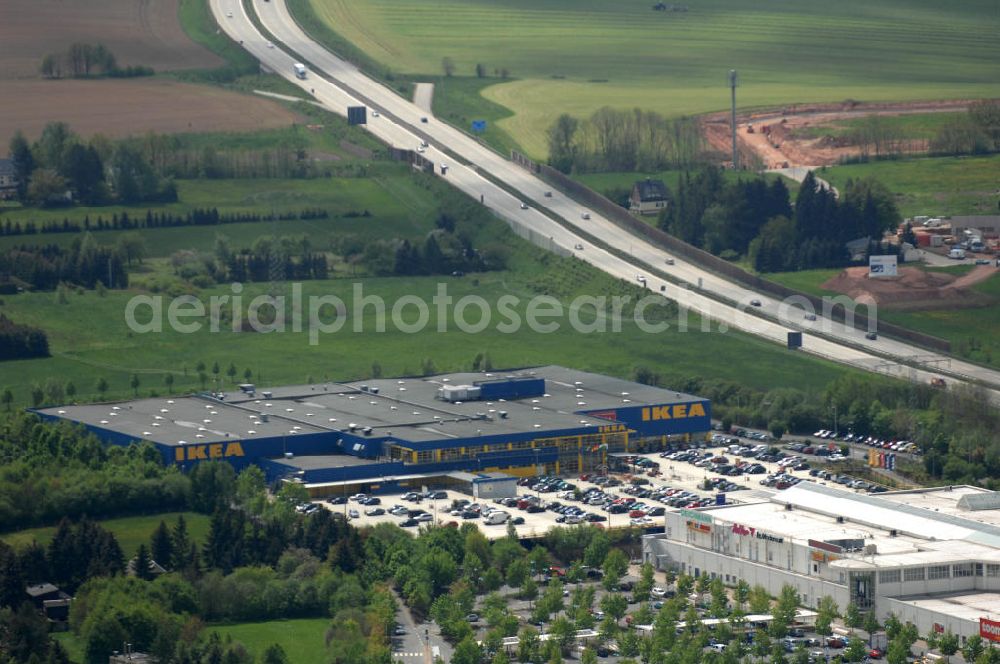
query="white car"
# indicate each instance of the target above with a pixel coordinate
(657, 591)
(670, 261)
(374, 114)
(270, 45)
(585, 215)
(353, 514)
(229, 14)
(641, 279)
(524, 206)
(578, 247)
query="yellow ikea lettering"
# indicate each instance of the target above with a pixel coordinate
(676, 412)
(205, 452)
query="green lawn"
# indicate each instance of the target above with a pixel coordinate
(972, 332)
(807, 281)
(576, 56)
(913, 126)
(932, 186)
(398, 206)
(131, 531)
(304, 639)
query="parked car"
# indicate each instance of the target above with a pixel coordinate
(374, 511)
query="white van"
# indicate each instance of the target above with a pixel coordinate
(497, 518)
(957, 254)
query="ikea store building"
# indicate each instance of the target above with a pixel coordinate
(405, 432)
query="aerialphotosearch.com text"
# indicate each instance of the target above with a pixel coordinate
(361, 312)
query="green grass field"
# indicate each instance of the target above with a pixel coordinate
(303, 639)
(399, 207)
(972, 332)
(89, 339)
(130, 531)
(913, 126)
(676, 62)
(933, 185)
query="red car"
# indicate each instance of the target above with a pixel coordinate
(635, 514)
(584, 477)
(875, 653)
(836, 642)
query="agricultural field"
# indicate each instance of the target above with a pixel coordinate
(575, 57)
(932, 185)
(125, 107)
(138, 33)
(130, 531)
(397, 208)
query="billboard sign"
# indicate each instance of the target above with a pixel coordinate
(357, 115)
(692, 515)
(989, 629)
(882, 266)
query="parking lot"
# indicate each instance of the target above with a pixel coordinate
(743, 469)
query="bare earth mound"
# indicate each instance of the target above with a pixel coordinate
(138, 32)
(914, 288)
(123, 107)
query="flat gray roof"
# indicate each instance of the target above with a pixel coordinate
(406, 408)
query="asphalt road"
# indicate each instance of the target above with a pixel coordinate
(402, 124)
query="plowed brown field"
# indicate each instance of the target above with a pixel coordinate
(138, 32)
(120, 107)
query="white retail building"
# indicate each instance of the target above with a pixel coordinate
(930, 556)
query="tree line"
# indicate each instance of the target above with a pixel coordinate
(623, 140)
(20, 342)
(84, 263)
(160, 219)
(754, 218)
(60, 168)
(977, 131)
(82, 60)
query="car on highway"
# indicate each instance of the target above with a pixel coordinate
(270, 44)
(229, 14)
(871, 336)
(810, 316)
(399, 631)
(755, 303)
(444, 168)
(548, 194)
(524, 206)
(585, 215)
(420, 149)
(641, 279)
(578, 247)
(375, 115)
(424, 119)
(669, 261)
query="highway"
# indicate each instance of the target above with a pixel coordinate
(402, 124)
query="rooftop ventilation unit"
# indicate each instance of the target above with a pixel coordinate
(367, 431)
(503, 414)
(352, 426)
(265, 417)
(840, 519)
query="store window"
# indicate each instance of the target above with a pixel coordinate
(889, 576)
(938, 572)
(962, 570)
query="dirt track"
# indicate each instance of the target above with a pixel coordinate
(121, 107)
(914, 289)
(138, 32)
(783, 147)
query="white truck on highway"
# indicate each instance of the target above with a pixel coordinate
(300, 70)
